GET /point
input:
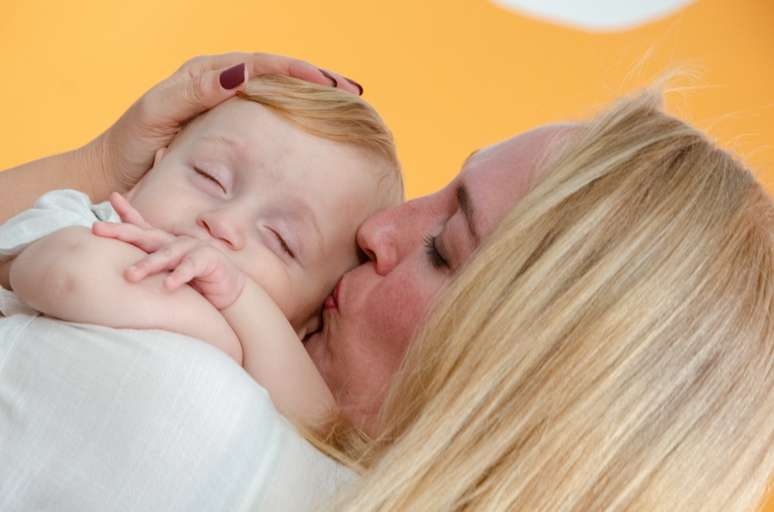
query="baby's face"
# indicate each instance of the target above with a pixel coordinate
(282, 204)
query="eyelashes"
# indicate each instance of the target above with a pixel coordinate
(283, 243)
(435, 257)
(280, 239)
(210, 177)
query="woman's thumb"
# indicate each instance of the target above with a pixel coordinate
(232, 77)
(209, 88)
(196, 93)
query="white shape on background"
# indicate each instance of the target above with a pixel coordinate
(596, 15)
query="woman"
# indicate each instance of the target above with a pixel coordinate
(599, 338)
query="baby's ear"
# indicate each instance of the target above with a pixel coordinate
(159, 155)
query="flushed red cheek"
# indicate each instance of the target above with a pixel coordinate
(401, 311)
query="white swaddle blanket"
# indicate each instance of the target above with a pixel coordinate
(95, 418)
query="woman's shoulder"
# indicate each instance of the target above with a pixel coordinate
(143, 420)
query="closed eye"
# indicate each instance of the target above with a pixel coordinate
(207, 175)
(436, 258)
(283, 244)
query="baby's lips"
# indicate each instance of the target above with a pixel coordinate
(332, 300)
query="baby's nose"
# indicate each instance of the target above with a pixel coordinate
(223, 227)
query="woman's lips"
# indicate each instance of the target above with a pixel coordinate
(332, 300)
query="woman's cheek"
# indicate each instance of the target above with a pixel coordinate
(408, 304)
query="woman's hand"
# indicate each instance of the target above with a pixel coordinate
(125, 151)
(190, 260)
(118, 158)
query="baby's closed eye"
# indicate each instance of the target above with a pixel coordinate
(284, 245)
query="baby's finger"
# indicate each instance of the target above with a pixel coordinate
(149, 265)
(188, 268)
(201, 261)
(119, 230)
(126, 211)
(149, 240)
(166, 258)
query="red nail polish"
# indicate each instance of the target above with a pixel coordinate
(330, 77)
(359, 87)
(233, 76)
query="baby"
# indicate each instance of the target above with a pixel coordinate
(236, 235)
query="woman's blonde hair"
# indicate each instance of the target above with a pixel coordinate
(609, 347)
(331, 114)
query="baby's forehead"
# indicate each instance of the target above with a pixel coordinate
(235, 119)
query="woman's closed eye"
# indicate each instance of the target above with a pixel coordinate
(436, 258)
(210, 177)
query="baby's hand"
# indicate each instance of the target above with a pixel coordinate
(196, 262)
(133, 228)
(192, 261)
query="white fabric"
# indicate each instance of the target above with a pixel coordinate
(51, 212)
(95, 418)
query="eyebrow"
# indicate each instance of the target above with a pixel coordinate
(463, 200)
(237, 147)
(222, 139)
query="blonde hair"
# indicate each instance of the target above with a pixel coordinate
(331, 114)
(609, 347)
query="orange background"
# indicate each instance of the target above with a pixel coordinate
(448, 77)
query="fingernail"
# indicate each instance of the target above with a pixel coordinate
(233, 76)
(330, 77)
(359, 87)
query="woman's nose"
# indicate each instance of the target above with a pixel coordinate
(222, 225)
(377, 237)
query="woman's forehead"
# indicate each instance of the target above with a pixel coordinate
(518, 155)
(528, 144)
(498, 176)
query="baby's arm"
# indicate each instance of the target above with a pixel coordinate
(273, 354)
(276, 358)
(76, 276)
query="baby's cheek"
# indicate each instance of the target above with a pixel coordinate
(307, 303)
(347, 260)
(277, 281)
(319, 282)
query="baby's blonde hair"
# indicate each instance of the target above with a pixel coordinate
(609, 347)
(331, 114)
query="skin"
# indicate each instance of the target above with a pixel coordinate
(382, 302)
(239, 177)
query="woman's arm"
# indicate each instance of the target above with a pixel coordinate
(80, 169)
(119, 157)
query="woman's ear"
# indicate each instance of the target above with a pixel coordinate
(159, 155)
